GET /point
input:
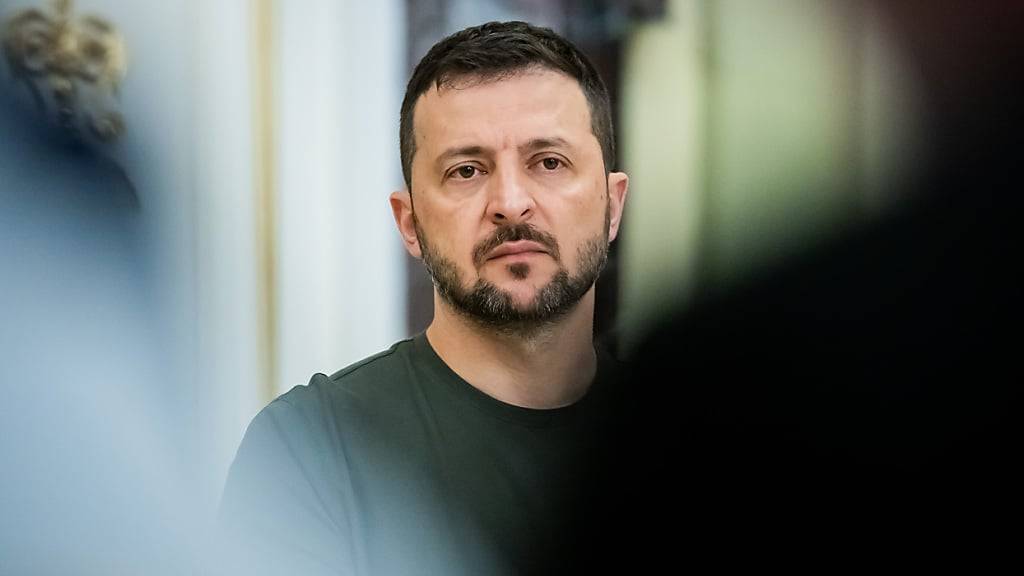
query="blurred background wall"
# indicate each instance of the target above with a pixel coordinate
(159, 289)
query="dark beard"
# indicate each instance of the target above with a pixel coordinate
(489, 306)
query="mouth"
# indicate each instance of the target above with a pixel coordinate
(522, 248)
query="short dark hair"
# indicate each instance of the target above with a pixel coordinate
(497, 50)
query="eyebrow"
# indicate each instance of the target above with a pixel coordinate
(526, 148)
(456, 152)
(541, 143)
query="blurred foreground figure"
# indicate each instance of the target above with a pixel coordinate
(853, 405)
(463, 449)
(87, 422)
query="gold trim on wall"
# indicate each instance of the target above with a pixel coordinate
(265, 161)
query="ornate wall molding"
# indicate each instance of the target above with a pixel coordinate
(72, 65)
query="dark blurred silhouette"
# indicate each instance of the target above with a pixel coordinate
(856, 402)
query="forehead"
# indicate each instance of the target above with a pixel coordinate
(501, 113)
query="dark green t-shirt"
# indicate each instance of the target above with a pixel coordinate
(396, 465)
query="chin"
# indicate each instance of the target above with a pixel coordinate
(525, 300)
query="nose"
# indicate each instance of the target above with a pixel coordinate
(510, 198)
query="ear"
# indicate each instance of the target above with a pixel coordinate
(618, 185)
(401, 207)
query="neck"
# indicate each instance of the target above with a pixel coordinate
(547, 367)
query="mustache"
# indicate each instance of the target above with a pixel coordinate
(514, 233)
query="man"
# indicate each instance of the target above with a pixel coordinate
(461, 450)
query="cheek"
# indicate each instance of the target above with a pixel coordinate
(587, 214)
(583, 223)
(450, 237)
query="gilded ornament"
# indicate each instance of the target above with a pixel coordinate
(73, 66)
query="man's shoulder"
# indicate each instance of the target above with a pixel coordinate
(367, 369)
(374, 378)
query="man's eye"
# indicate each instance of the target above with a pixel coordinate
(466, 172)
(551, 163)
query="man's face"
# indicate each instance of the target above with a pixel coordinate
(511, 209)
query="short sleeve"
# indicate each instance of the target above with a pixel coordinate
(273, 518)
